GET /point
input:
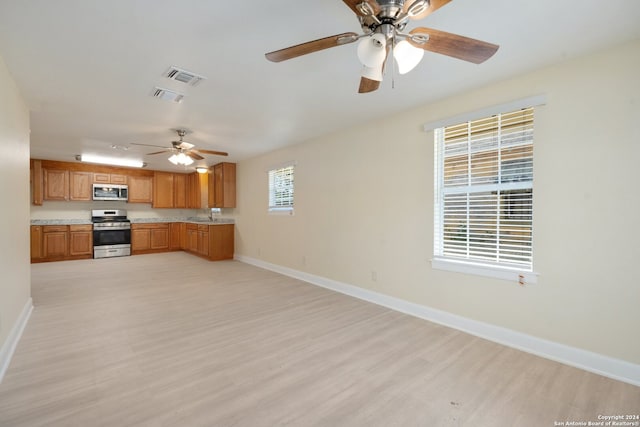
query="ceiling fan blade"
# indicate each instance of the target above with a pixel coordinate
(353, 5)
(194, 155)
(433, 6)
(368, 85)
(215, 153)
(157, 152)
(310, 47)
(147, 145)
(453, 45)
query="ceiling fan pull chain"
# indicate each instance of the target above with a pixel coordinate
(393, 68)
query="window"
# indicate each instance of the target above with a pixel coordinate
(281, 189)
(484, 192)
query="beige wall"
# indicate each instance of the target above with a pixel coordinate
(14, 213)
(364, 203)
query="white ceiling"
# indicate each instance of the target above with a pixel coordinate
(87, 68)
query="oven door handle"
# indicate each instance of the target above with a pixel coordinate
(99, 228)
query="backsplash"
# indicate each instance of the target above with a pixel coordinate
(82, 210)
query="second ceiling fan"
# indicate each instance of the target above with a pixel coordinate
(383, 22)
(184, 152)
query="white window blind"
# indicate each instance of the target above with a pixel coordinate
(281, 189)
(484, 190)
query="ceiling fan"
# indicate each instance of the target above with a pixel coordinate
(183, 152)
(383, 22)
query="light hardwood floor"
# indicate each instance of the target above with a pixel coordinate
(173, 340)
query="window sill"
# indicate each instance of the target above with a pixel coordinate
(493, 271)
(281, 211)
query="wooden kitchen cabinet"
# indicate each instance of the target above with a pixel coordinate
(36, 242)
(63, 185)
(140, 189)
(160, 237)
(109, 178)
(222, 186)
(191, 241)
(203, 240)
(180, 190)
(61, 242)
(163, 190)
(80, 186)
(56, 184)
(36, 182)
(149, 238)
(55, 241)
(175, 236)
(221, 242)
(81, 239)
(197, 185)
(214, 242)
(170, 190)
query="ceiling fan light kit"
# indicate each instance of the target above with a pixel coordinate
(372, 50)
(382, 23)
(181, 159)
(407, 56)
(183, 153)
(372, 73)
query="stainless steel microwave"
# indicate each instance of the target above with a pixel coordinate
(110, 192)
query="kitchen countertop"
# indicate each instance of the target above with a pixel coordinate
(194, 220)
(60, 221)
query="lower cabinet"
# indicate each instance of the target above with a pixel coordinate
(67, 242)
(221, 242)
(214, 242)
(81, 240)
(61, 242)
(149, 238)
(175, 236)
(191, 241)
(55, 241)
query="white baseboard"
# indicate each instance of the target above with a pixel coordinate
(589, 361)
(9, 346)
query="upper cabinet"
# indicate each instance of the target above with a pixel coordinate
(178, 190)
(63, 185)
(109, 178)
(140, 189)
(197, 185)
(56, 184)
(37, 182)
(80, 185)
(66, 181)
(163, 190)
(222, 186)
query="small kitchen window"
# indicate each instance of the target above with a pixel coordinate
(281, 189)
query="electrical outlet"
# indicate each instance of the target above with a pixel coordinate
(304, 260)
(374, 276)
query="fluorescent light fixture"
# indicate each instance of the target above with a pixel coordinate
(115, 161)
(201, 169)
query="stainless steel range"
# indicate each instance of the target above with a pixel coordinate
(111, 233)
